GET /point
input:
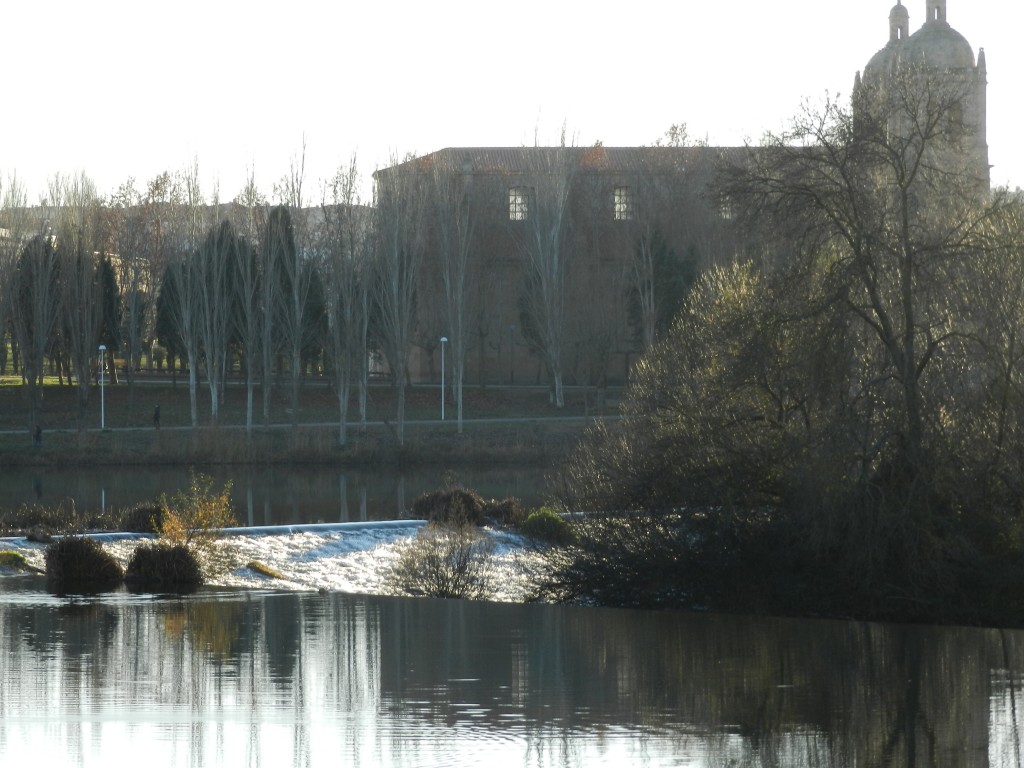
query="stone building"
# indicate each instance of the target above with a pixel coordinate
(940, 59)
(594, 215)
(599, 211)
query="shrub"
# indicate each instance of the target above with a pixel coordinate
(144, 518)
(194, 518)
(447, 562)
(163, 567)
(546, 525)
(453, 506)
(508, 511)
(78, 564)
(42, 521)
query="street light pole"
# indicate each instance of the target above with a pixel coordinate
(444, 340)
(103, 414)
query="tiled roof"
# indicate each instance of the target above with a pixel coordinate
(541, 159)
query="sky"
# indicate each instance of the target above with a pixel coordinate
(122, 89)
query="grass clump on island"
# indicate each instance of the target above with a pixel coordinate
(547, 526)
(80, 565)
(188, 525)
(14, 561)
(162, 566)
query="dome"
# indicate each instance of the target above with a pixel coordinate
(899, 25)
(938, 46)
(935, 45)
(882, 62)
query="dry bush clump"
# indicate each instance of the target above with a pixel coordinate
(144, 518)
(162, 567)
(76, 564)
(447, 562)
(508, 511)
(453, 506)
(43, 522)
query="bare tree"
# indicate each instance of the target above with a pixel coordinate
(248, 317)
(134, 276)
(883, 197)
(160, 224)
(288, 288)
(35, 311)
(181, 290)
(400, 210)
(540, 221)
(14, 228)
(345, 241)
(215, 262)
(288, 190)
(456, 212)
(78, 244)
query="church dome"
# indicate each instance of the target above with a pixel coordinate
(899, 15)
(899, 25)
(938, 46)
(882, 62)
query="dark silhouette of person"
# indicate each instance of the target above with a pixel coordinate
(156, 417)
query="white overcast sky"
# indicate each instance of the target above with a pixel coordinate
(123, 88)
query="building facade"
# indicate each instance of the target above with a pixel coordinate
(573, 257)
(561, 248)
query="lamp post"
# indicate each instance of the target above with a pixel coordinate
(103, 414)
(444, 340)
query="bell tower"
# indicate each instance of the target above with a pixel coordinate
(936, 12)
(899, 23)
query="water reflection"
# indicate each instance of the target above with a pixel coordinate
(233, 678)
(266, 495)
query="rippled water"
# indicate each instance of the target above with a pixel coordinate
(247, 677)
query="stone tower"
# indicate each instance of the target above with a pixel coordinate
(941, 54)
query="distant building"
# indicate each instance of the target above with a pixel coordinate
(938, 53)
(598, 203)
(510, 203)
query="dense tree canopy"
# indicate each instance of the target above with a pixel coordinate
(851, 401)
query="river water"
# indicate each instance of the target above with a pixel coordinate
(269, 495)
(265, 678)
(322, 667)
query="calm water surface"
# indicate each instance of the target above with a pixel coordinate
(265, 495)
(228, 678)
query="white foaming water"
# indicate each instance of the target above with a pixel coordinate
(345, 557)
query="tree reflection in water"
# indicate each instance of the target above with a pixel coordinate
(232, 677)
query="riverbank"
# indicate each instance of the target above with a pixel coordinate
(506, 425)
(535, 442)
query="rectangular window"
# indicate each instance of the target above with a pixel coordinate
(622, 204)
(519, 203)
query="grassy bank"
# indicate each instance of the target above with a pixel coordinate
(527, 443)
(531, 431)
